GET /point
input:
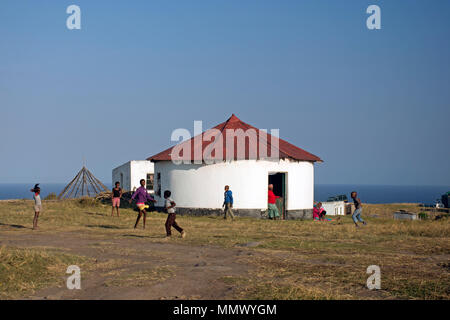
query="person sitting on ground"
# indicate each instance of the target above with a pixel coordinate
(142, 197)
(322, 212)
(317, 212)
(272, 207)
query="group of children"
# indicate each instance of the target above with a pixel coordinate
(319, 212)
(141, 197)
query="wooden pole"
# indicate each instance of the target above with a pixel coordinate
(82, 183)
(85, 183)
(67, 187)
(93, 183)
(99, 182)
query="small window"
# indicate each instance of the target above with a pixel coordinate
(150, 182)
(158, 181)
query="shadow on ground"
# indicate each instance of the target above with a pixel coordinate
(17, 226)
(103, 226)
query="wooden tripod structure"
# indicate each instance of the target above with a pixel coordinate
(84, 184)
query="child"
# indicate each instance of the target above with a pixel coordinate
(169, 205)
(272, 206)
(141, 196)
(317, 211)
(228, 203)
(358, 209)
(37, 204)
(116, 194)
(322, 212)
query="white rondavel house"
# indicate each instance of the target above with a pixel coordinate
(197, 184)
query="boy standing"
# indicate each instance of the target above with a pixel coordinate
(358, 209)
(116, 194)
(228, 203)
(169, 205)
(37, 204)
(141, 196)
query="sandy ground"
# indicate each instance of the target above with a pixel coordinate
(244, 259)
(184, 272)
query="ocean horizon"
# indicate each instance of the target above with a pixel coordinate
(367, 193)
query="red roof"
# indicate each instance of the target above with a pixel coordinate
(208, 138)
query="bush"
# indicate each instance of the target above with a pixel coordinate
(51, 196)
(423, 216)
(88, 202)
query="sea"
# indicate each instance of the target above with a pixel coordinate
(367, 193)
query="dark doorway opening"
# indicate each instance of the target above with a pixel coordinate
(279, 188)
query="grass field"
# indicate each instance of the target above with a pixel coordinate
(244, 259)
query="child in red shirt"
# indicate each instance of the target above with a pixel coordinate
(272, 207)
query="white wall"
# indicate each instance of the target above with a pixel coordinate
(133, 172)
(334, 208)
(125, 171)
(139, 170)
(202, 186)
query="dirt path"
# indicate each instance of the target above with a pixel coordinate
(133, 268)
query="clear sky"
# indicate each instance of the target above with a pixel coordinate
(373, 104)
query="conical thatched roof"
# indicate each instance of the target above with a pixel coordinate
(84, 184)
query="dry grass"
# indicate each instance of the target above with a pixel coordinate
(140, 278)
(301, 259)
(26, 270)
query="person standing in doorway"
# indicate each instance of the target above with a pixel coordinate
(116, 194)
(358, 209)
(272, 206)
(37, 204)
(141, 197)
(228, 203)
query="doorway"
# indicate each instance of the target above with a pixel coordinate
(278, 180)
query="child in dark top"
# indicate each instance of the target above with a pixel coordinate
(169, 205)
(358, 209)
(116, 194)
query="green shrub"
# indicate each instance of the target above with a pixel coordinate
(423, 216)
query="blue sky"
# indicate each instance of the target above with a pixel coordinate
(373, 104)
